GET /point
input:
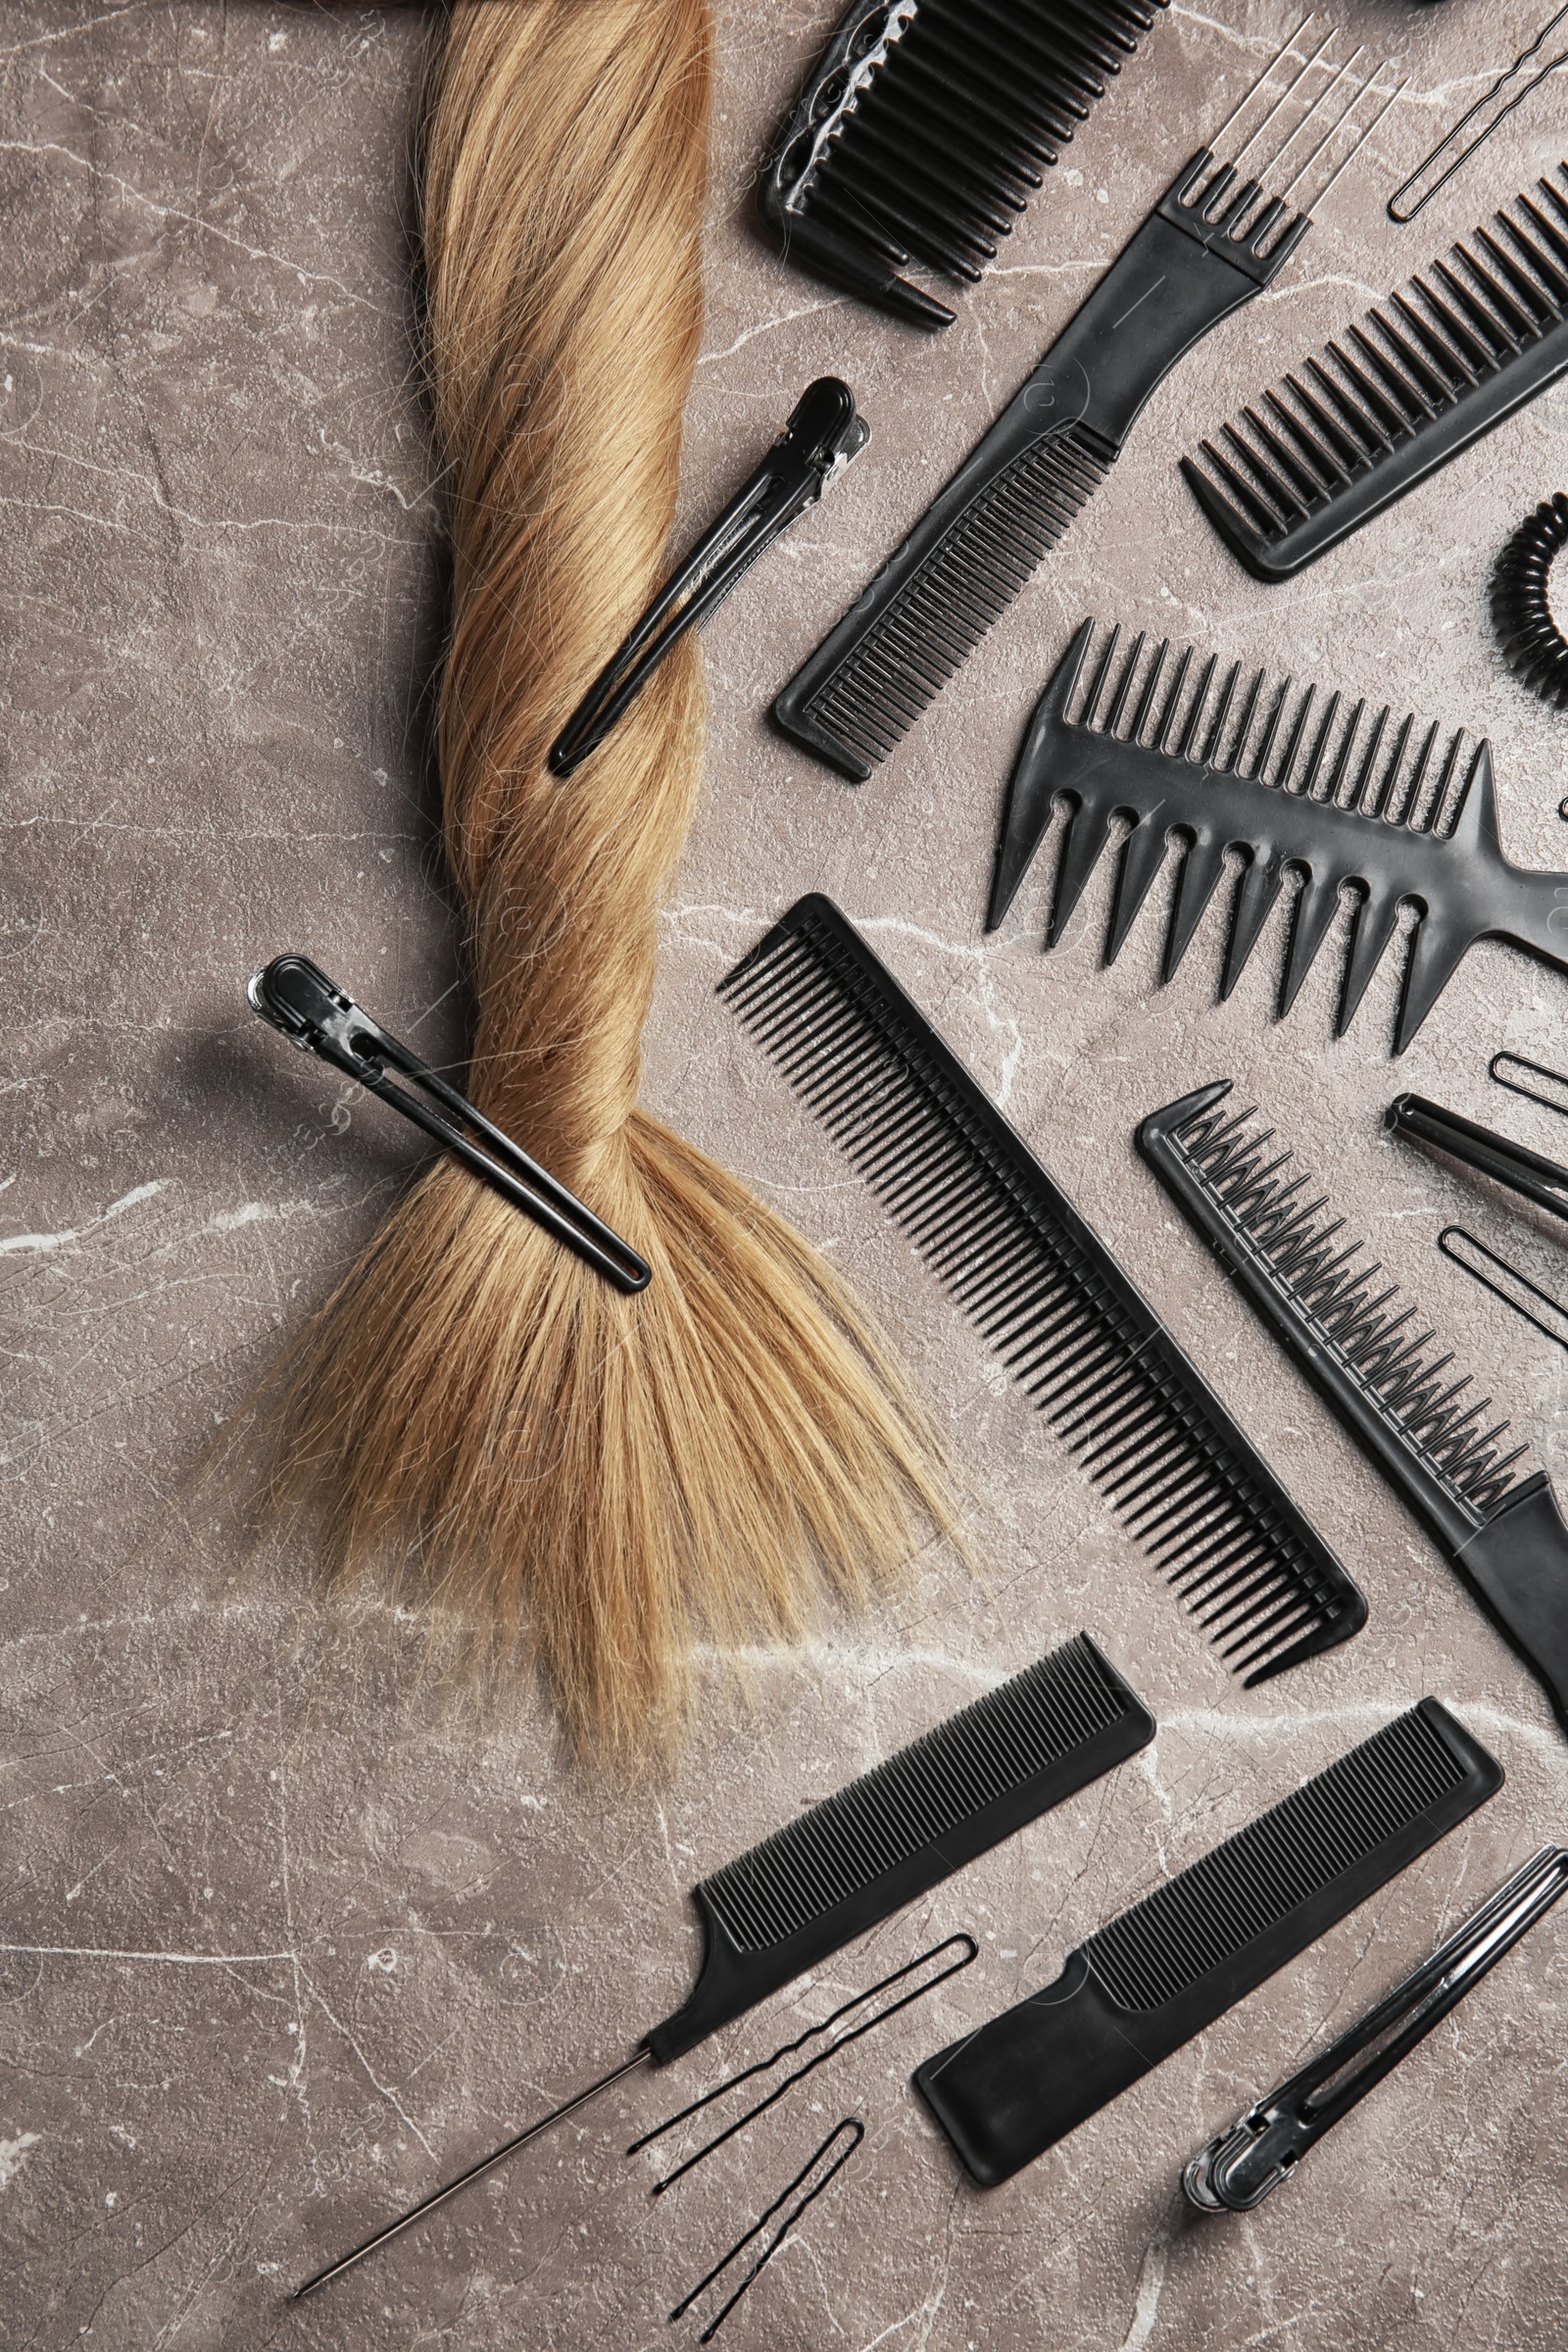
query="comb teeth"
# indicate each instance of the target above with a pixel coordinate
(1191, 1926)
(1341, 1306)
(1074, 1333)
(917, 1797)
(1438, 365)
(928, 125)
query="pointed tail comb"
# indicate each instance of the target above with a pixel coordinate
(1296, 782)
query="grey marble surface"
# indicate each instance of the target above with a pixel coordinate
(290, 1930)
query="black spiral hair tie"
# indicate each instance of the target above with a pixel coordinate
(1532, 644)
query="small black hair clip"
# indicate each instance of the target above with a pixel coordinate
(823, 433)
(313, 1013)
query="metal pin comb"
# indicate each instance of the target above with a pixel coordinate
(1240, 2168)
(1343, 436)
(297, 999)
(1294, 781)
(1164, 1970)
(1413, 1416)
(849, 1863)
(1215, 238)
(1076, 1334)
(924, 129)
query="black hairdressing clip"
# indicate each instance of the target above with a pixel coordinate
(313, 1013)
(1236, 2172)
(1506, 1163)
(823, 433)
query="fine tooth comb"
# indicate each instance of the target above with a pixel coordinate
(924, 129)
(1167, 1968)
(849, 1863)
(1044, 1291)
(1346, 434)
(1294, 781)
(1211, 243)
(1368, 1359)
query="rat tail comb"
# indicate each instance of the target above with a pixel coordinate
(1296, 782)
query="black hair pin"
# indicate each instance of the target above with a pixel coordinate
(855, 2130)
(318, 1017)
(825, 433)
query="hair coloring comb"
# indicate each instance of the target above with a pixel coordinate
(1179, 1959)
(1344, 436)
(1295, 780)
(924, 129)
(1367, 1357)
(1046, 1291)
(849, 1863)
(1211, 242)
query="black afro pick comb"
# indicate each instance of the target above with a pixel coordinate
(1296, 782)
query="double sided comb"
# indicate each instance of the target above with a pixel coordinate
(925, 127)
(1419, 1421)
(847, 1864)
(1074, 1332)
(1167, 1968)
(1294, 781)
(1211, 242)
(1343, 436)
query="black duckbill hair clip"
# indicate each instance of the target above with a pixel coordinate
(825, 431)
(1239, 2168)
(313, 1013)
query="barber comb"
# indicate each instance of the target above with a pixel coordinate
(1293, 780)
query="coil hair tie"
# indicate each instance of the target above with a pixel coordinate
(1532, 644)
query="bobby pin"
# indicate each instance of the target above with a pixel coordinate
(850, 2124)
(1453, 1241)
(1236, 2172)
(823, 433)
(1490, 117)
(787, 2050)
(1502, 1063)
(313, 1013)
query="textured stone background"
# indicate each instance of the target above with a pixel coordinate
(289, 1932)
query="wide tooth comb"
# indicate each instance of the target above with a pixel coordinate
(1416, 1417)
(1292, 782)
(923, 129)
(1148, 1982)
(1344, 436)
(1046, 1292)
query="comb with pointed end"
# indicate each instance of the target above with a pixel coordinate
(1293, 781)
(1371, 1361)
(1346, 434)
(1047, 1293)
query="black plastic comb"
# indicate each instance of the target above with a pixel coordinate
(1371, 1361)
(925, 128)
(1168, 1966)
(1346, 434)
(1296, 782)
(1078, 1338)
(849, 1863)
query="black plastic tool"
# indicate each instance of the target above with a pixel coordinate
(1294, 781)
(847, 1864)
(1528, 1173)
(1168, 1966)
(1367, 1357)
(1241, 2167)
(825, 433)
(298, 1000)
(1212, 242)
(925, 128)
(1344, 436)
(1077, 1336)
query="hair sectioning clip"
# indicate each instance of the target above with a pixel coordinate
(313, 1013)
(1236, 2172)
(823, 433)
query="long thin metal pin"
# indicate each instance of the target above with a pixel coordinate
(1253, 87)
(486, 2164)
(1396, 93)
(1317, 107)
(1289, 93)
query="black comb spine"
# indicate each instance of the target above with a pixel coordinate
(1021, 1750)
(1006, 2093)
